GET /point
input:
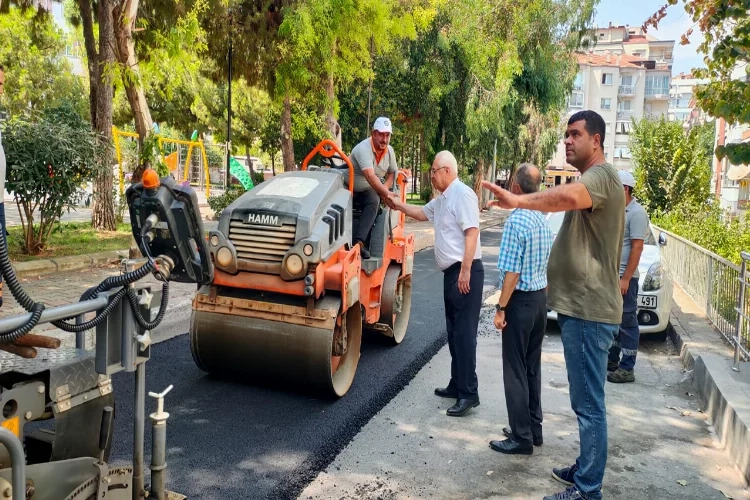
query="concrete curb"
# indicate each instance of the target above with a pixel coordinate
(724, 393)
(43, 267)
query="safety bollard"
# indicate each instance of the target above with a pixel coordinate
(159, 445)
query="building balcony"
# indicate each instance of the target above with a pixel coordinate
(624, 114)
(626, 90)
(657, 94)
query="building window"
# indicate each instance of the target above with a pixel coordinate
(623, 128)
(606, 78)
(606, 103)
(623, 152)
(657, 85)
(578, 82)
(576, 100)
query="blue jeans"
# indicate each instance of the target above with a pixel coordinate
(628, 336)
(586, 346)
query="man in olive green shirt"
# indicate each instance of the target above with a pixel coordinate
(584, 288)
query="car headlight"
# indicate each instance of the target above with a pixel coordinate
(294, 265)
(653, 278)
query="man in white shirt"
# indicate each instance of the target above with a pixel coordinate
(455, 215)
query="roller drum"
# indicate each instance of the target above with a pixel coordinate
(273, 352)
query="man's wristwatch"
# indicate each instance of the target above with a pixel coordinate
(499, 308)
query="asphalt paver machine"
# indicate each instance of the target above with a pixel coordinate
(72, 387)
(290, 296)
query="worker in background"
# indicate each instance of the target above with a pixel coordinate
(627, 338)
(458, 252)
(373, 159)
(584, 276)
(521, 314)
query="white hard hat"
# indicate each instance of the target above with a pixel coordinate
(626, 178)
(382, 124)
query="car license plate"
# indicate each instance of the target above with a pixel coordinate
(647, 301)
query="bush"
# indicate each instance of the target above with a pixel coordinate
(48, 162)
(220, 202)
(258, 178)
(425, 194)
(705, 226)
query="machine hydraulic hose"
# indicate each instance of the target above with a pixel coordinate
(37, 308)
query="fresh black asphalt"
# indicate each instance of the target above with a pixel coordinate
(233, 440)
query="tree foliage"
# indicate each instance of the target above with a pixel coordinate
(37, 77)
(705, 225)
(671, 168)
(49, 160)
(725, 26)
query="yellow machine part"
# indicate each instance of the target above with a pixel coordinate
(291, 341)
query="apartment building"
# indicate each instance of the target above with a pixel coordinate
(682, 105)
(626, 76)
(731, 183)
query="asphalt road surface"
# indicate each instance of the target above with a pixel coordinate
(234, 440)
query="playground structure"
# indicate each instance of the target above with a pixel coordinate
(183, 167)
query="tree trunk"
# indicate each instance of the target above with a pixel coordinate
(92, 55)
(103, 213)
(249, 161)
(331, 123)
(478, 178)
(126, 16)
(287, 143)
(424, 179)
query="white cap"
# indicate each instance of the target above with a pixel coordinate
(626, 178)
(382, 124)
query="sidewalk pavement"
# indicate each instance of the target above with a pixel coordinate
(724, 392)
(64, 280)
(660, 442)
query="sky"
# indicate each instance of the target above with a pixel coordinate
(677, 22)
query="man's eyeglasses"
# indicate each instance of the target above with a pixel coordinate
(435, 170)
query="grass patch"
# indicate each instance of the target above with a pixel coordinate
(414, 199)
(71, 238)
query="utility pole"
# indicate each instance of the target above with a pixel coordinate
(229, 103)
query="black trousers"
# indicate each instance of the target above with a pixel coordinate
(367, 201)
(526, 318)
(462, 320)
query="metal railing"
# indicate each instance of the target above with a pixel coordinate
(742, 329)
(626, 90)
(716, 285)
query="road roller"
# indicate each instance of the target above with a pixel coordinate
(291, 297)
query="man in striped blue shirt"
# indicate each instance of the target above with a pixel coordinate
(522, 316)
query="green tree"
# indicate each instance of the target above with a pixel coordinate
(49, 159)
(671, 168)
(37, 77)
(725, 26)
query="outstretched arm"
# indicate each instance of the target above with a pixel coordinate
(412, 211)
(573, 196)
